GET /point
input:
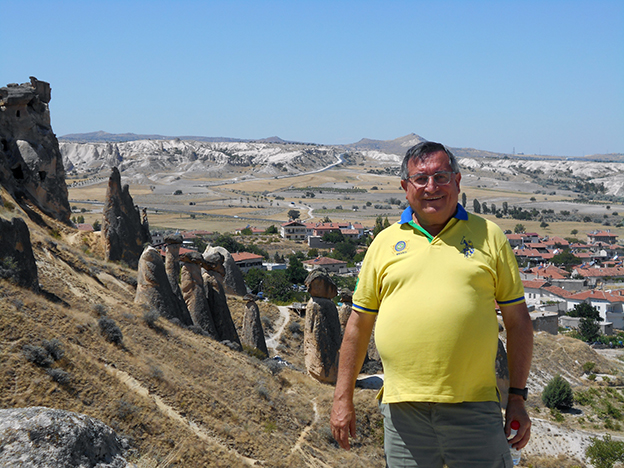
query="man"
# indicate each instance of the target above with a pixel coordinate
(431, 282)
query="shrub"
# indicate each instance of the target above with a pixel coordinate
(588, 367)
(100, 310)
(606, 452)
(37, 355)
(53, 347)
(150, 317)
(59, 376)
(294, 327)
(110, 330)
(558, 393)
(126, 410)
(273, 366)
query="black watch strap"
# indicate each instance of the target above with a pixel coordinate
(523, 392)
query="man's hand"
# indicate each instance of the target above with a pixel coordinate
(517, 412)
(342, 422)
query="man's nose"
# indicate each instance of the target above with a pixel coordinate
(431, 183)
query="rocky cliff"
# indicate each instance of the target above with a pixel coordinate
(31, 165)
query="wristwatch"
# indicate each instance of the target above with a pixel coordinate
(523, 392)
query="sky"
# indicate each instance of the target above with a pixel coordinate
(539, 77)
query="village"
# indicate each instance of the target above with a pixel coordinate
(558, 274)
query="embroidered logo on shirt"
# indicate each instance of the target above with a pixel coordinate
(400, 246)
(468, 249)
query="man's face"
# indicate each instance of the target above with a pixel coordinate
(433, 204)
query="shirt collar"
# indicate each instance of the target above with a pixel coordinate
(408, 213)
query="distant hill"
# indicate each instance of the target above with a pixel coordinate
(104, 137)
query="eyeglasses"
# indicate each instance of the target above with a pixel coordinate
(439, 178)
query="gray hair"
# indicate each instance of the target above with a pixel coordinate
(421, 152)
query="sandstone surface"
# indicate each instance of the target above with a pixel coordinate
(41, 437)
(154, 291)
(253, 334)
(31, 164)
(321, 339)
(122, 228)
(17, 262)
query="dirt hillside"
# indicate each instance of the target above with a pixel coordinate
(184, 400)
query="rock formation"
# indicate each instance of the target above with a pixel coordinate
(154, 291)
(321, 339)
(320, 284)
(195, 294)
(124, 233)
(233, 282)
(172, 263)
(38, 437)
(31, 165)
(252, 335)
(322, 335)
(217, 303)
(17, 262)
(344, 311)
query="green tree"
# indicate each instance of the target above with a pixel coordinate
(386, 223)
(574, 232)
(585, 310)
(378, 225)
(519, 228)
(606, 452)
(295, 272)
(464, 201)
(543, 224)
(313, 253)
(254, 279)
(565, 259)
(505, 208)
(476, 206)
(344, 251)
(97, 225)
(294, 214)
(271, 230)
(247, 231)
(558, 393)
(277, 286)
(333, 237)
(589, 329)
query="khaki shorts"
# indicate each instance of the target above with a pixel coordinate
(430, 435)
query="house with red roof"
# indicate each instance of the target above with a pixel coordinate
(85, 227)
(608, 303)
(330, 264)
(602, 236)
(555, 242)
(246, 261)
(595, 275)
(293, 230)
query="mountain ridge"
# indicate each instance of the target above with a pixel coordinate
(396, 146)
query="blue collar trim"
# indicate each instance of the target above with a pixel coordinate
(407, 214)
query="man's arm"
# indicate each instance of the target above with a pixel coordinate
(352, 352)
(519, 353)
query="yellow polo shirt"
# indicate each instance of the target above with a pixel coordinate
(436, 330)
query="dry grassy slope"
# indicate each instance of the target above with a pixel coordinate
(182, 399)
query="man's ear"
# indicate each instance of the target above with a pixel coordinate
(457, 179)
(404, 185)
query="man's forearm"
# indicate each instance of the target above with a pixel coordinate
(353, 352)
(519, 343)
